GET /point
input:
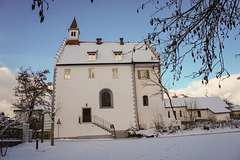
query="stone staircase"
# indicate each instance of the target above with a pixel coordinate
(98, 128)
(109, 127)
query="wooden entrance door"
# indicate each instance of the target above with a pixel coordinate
(86, 114)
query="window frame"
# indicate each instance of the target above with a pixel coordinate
(169, 114)
(115, 74)
(101, 106)
(92, 57)
(67, 74)
(145, 100)
(118, 57)
(91, 73)
(141, 74)
(199, 113)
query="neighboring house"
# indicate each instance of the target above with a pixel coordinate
(22, 117)
(235, 110)
(103, 85)
(197, 108)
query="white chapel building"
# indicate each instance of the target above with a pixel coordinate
(100, 87)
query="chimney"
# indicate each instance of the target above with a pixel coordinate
(175, 96)
(99, 41)
(121, 41)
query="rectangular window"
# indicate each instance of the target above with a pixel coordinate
(180, 112)
(67, 73)
(169, 114)
(199, 113)
(174, 113)
(118, 57)
(143, 74)
(91, 57)
(91, 72)
(115, 73)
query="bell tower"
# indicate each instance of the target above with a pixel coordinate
(74, 33)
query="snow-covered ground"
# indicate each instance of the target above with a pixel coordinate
(224, 146)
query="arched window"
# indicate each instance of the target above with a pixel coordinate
(145, 100)
(71, 33)
(74, 34)
(106, 98)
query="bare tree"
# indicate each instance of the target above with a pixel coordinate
(198, 26)
(32, 91)
(41, 5)
(191, 104)
(156, 78)
(158, 120)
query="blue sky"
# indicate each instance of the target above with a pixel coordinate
(24, 41)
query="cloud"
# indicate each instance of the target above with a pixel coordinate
(230, 89)
(7, 83)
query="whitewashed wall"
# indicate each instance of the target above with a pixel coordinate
(73, 94)
(147, 114)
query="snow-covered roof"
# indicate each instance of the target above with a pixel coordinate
(78, 54)
(36, 108)
(235, 107)
(215, 104)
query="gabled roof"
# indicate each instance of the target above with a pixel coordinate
(215, 104)
(78, 54)
(74, 24)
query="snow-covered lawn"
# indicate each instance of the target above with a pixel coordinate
(224, 146)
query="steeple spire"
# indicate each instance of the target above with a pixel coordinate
(74, 24)
(74, 33)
